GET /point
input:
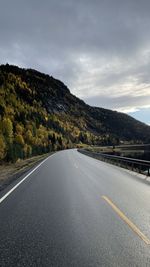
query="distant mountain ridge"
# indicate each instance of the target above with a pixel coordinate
(43, 115)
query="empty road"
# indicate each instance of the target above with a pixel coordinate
(74, 210)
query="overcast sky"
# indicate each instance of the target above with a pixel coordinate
(99, 48)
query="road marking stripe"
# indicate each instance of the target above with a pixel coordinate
(11, 190)
(127, 221)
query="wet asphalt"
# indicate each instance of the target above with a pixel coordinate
(57, 216)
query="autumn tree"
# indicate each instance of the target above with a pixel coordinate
(2, 147)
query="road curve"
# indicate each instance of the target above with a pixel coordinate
(68, 213)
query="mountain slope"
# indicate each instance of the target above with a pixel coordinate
(38, 114)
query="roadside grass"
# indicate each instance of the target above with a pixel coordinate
(12, 171)
(102, 149)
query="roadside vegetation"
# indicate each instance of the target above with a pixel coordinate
(38, 115)
(11, 171)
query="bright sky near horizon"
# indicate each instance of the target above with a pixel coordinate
(100, 49)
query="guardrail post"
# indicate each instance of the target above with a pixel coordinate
(139, 168)
(132, 166)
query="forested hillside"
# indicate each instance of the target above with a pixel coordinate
(38, 114)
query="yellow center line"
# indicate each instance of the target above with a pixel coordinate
(127, 221)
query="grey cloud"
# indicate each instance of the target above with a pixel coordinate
(119, 103)
(52, 35)
(88, 26)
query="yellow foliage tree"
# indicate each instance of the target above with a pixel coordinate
(2, 147)
(19, 139)
(19, 129)
(7, 129)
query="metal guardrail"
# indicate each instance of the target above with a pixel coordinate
(138, 165)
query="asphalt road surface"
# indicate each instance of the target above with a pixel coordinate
(74, 210)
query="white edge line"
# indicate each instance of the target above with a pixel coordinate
(11, 190)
